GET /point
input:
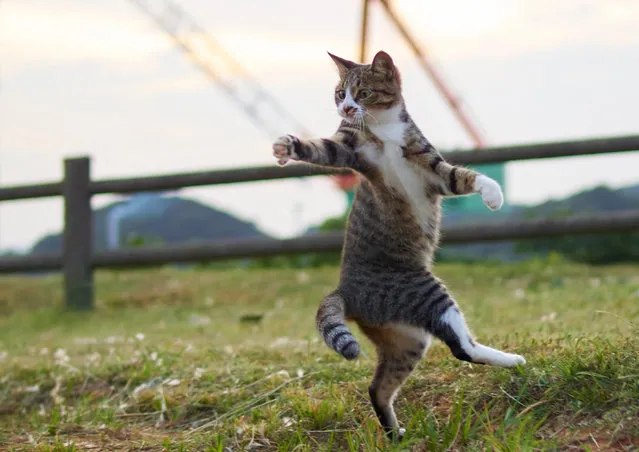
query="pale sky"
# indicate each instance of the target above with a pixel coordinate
(97, 77)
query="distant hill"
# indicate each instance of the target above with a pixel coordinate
(175, 220)
(598, 199)
(178, 220)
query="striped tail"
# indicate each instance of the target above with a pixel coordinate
(331, 325)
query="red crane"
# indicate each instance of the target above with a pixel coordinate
(453, 100)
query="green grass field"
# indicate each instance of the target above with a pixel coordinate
(223, 360)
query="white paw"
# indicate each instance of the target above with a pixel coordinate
(490, 192)
(512, 360)
(488, 355)
(284, 149)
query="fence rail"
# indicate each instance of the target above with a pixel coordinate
(265, 173)
(78, 261)
(263, 247)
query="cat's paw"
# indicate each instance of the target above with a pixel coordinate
(395, 435)
(483, 354)
(284, 149)
(512, 360)
(490, 192)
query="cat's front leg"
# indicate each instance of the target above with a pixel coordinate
(490, 191)
(335, 152)
(456, 180)
(284, 149)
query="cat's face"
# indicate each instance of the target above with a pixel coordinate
(366, 91)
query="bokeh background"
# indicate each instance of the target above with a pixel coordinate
(99, 78)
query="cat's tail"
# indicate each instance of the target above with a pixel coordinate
(332, 326)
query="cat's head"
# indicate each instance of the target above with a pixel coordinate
(366, 92)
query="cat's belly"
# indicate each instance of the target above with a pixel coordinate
(405, 179)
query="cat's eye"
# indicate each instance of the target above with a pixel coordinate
(364, 93)
(341, 94)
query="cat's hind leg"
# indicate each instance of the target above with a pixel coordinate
(399, 348)
(451, 328)
(429, 304)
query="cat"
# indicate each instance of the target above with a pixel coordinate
(386, 285)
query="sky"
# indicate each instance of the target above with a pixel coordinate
(98, 78)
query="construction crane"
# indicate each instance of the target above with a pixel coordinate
(220, 66)
(225, 71)
(454, 101)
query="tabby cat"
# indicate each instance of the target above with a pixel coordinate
(386, 285)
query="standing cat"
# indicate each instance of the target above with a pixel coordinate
(386, 285)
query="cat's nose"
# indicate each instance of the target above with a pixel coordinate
(349, 110)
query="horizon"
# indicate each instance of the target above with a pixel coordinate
(176, 194)
(102, 80)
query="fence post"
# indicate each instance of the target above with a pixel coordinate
(78, 234)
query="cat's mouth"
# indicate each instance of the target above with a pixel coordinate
(356, 117)
(348, 112)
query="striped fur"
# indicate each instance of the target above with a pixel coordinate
(331, 325)
(386, 285)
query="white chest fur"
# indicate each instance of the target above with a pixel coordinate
(397, 172)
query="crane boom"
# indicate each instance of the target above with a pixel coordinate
(452, 100)
(221, 68)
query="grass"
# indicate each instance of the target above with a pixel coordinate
(189, 360)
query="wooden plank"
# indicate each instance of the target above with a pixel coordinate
(30, 191)
(622, 221)
(535, 151)
(216, 177)
(30, 263)
(78, 234)
(330, 242)
(272, 172)
(218, 250)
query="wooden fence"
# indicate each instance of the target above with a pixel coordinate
(77, 260)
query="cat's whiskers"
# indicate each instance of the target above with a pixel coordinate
(353, 121)
(374, 119)
(359, 122)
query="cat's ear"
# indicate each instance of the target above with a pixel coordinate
(343, 66)
(383, 64)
